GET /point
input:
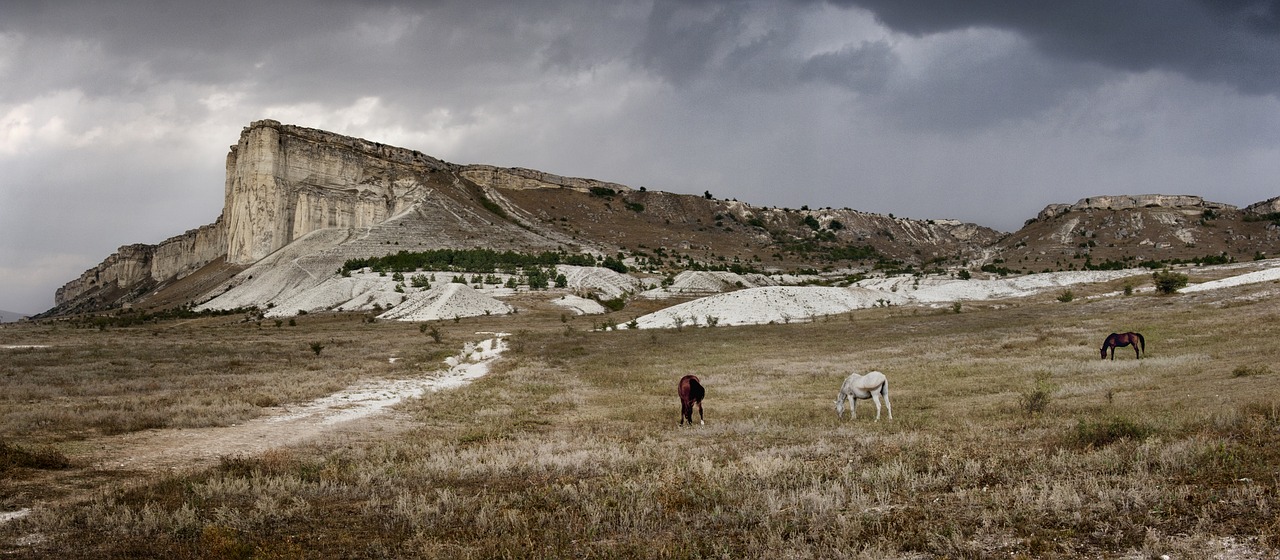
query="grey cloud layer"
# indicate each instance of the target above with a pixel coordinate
(983, 111)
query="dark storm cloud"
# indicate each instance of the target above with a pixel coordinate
(864, 68)
(1235, 42)
(115, 117)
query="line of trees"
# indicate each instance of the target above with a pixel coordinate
(474, 260)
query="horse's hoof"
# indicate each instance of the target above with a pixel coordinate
(701, 423)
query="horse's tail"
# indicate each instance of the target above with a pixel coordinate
(696, 390)
(1142, 341)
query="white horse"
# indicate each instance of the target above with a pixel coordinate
(857, 387)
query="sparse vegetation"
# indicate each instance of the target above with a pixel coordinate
(568, 447)
(466, 260)
(433, 332)
(1037, 399)
(1101, 433)
(492, 207)
(1249, 371)
(14, 457)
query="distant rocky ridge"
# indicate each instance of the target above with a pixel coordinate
(1129, 202)
(299, 202)
(10, 317)
(1112, 231)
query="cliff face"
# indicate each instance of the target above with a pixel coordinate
(132, 269)
(300, 199)
(284, 182)
(515, 178)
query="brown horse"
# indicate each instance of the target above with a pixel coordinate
(691, 393)
(1115, 340)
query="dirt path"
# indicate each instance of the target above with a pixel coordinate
(357, 411)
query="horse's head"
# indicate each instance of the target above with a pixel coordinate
(1103, 350)
(840, 407)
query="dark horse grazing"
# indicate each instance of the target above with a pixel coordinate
(691, 393)
(1115, 340)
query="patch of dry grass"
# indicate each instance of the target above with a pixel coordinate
(569, 447)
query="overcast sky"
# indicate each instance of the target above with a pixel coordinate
(116, 117)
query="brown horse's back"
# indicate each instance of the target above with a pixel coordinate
(691, 392)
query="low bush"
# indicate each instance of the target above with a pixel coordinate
(1168, 282)
(1089, 433)
(15, 457)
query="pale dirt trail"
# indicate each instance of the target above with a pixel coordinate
(357, 409)
(357, 413)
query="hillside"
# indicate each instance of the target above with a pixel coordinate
(1126, 231)
(302, 202)
(1009, 437)
(9, 316)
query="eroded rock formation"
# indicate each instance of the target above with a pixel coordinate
(306, 200)
(1128, 202)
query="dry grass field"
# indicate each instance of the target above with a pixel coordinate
(1010, 437)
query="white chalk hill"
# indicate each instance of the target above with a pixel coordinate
(446, 301)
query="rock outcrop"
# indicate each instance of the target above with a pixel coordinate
(135, 268)
(1267, 207)
(1128, 202)
(1134, 230)
(300, 202)
(520, 178)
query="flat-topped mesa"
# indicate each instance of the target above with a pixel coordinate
(286, 181)
(518, 178)
(388, 152)
(1128, 202)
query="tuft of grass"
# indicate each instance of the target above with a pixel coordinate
(1101, 433)
(1249, 371)
(16, 457)
(1037, 399)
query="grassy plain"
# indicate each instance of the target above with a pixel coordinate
(1010, 437)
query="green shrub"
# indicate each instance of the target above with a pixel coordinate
(1168, 282)
(615, 304)
(1105, 432)
(431, 331)
(1066, 296)
(1037, 399)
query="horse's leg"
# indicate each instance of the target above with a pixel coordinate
(700, 420)
(887, 406)
(1135, 351)
(876, 399)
